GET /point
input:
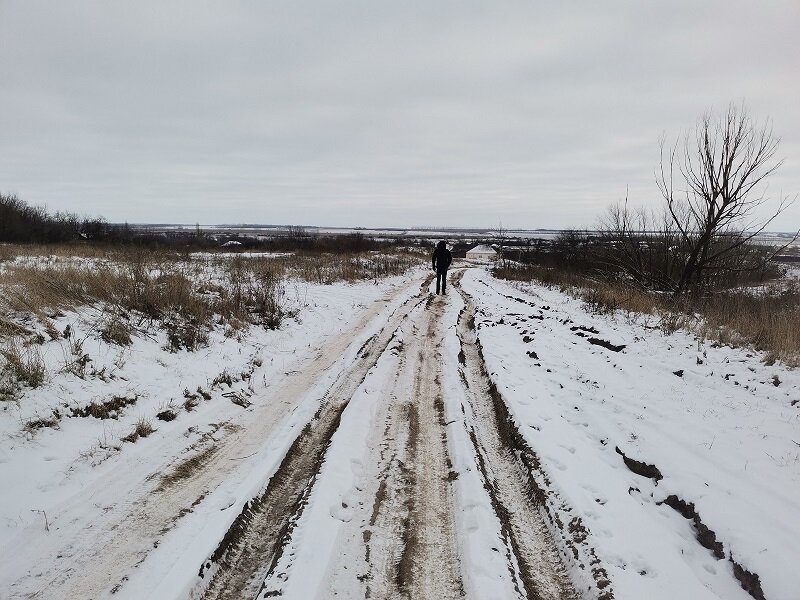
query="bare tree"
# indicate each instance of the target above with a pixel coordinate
(723, 166)
(501, 234)
(641, 243)
(295, 232)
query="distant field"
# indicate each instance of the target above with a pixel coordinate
(772, 238)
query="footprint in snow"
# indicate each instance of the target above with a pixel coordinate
(342, 512)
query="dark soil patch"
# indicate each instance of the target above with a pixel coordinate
(166, 415)
(749, 581)
(606, 344)
(586, 329)
(640, 468)
(706, 537)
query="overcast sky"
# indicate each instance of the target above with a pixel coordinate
(536, 114)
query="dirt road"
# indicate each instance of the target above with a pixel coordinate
(399, 531)
(399, 478)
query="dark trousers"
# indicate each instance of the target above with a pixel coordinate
(441, 276)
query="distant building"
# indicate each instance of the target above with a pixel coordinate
(484, 254)
(231, 244)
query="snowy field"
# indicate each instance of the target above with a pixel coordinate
(496, 442)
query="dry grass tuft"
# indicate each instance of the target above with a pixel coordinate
(224, 377)
(42, 422)
(24, 366)
(116, 331)
(767, 322)
(110, 409)
(10, 329)
(143, 428)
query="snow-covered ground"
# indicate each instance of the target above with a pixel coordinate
(61, 480)
(722, 429)
(496, 442)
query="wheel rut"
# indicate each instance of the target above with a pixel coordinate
(404, 544)
(254, 542)
(532, 555)
(409, 540)
(429, 565)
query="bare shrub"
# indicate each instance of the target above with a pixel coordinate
(723, 166)
(77, 365)
(24, 366)
(116, 331)
(700, 239)
(188, 335)
(224, 377)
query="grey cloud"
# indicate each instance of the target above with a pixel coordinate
(375, 113)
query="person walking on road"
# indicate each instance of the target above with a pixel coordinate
(441, 261)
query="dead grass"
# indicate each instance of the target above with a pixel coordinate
(187, 468)
(327, 268)
(766, 322)
(162, 285)
(185, 296)
(149, 286)
(23, 365)
(9, 329)
(7, 252)
(116, 330)
(109, 409)
(143, 428)
(34, 425)
(770, 323)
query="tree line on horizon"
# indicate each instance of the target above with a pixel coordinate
(22, 223)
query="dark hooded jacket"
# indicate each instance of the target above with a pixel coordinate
(441, 258)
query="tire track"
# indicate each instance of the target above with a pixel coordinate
(253, 544)
(429, 566)
(410, 544)
(532, 555)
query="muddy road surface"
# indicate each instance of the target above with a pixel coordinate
(367, 505)
(383, 467)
